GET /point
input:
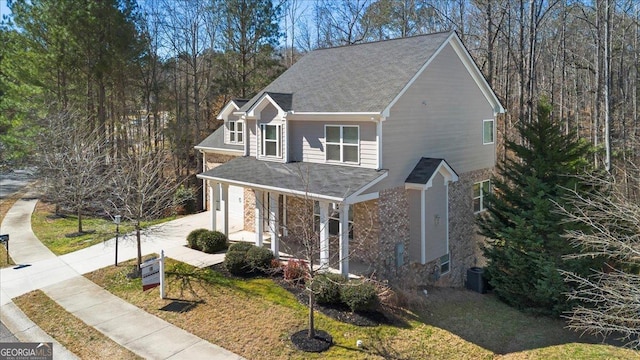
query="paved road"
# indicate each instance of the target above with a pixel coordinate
(11, 182)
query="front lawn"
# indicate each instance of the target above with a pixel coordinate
(52, 230)
(255, 318)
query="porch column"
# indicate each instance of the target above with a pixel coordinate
(273, 224)
(224, 206)
(212, 203)
(258, 217)
(344, 239)
(324, 234)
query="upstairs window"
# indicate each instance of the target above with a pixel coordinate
(343, 143)
(236, 132)
(480, 191)
(270, 140)
(487, 132)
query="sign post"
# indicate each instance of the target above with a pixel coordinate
(153, 274)
(4, 238)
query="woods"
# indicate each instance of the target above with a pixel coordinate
(137, 69)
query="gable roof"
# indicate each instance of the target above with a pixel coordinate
(362, 78)
(426, 168)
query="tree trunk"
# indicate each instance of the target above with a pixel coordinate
(312, 327)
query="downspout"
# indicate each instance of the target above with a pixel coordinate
(204, 182)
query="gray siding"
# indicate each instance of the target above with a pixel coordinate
(307, 142)
(439, 116)
(251, 128)
(413, 198)
(436, 234)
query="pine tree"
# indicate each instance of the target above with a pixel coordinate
(522, 220)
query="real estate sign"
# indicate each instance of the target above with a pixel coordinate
(153, 274)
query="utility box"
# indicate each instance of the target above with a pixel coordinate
(476, 281)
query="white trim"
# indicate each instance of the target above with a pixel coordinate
(344, 240)
(444, 169)
(363, 198)
(379, 144)
(324, 233)
(351, 199)
(446, 214)
(258, 217)
(218, 150)
(223, 113)
(273, 224)
(334, 116)
(263, 140)
(493, 131)
(260, 104)
(341, 144)
(235, 132)
(481, 197)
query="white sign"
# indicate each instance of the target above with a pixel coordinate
(153, 274)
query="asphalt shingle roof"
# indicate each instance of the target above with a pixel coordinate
(356, 78)
(216, 141)
(424, 170)
(312, 179)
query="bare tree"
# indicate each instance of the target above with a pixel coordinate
(141, 189)
(608, 300)
(73, 164)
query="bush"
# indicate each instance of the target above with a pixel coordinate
(327, 288)
(192, 238)
(236, 263)
(241, 246)
(259, 258)
(296, 271)
(212, 241)
(360, 297)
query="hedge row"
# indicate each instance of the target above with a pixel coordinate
(334, 289)
(245, 258)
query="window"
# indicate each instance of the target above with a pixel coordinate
(270, 140)
(480, 191)
(334, 219)
(343, 143)
(236, 132)
(444, 264)
(487, 131)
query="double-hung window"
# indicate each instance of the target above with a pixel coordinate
(487, 131)
(236, 129)
(342, 143)
(480, 192)
(334, 219)
(270, 140)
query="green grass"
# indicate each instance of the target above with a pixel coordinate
(255, 318)
(53, 231)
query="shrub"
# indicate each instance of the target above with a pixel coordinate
(259, 258)
(192, 238)
(295, 271)
(212, 241)
(360, 296)
(327, 288)
(236, 263)
(241, 246)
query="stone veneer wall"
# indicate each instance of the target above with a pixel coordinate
(393, 213)
(366, 232)
(249, 210)
(464, 242)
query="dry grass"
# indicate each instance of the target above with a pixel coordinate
(255, 317)
(79, 338)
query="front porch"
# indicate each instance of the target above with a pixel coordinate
(325, 196)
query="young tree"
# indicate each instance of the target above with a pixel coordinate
(524, 229)
(73, 165)
(140, 189)
(607, 297)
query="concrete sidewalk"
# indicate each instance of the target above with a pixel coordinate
(59, 277)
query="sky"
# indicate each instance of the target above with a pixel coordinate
(4, 9)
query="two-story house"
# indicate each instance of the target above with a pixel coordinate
(393, 142)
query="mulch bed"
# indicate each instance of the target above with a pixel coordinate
(321, 342)
(340, 313)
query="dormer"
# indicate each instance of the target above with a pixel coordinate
(269, 111)
(234, 126)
